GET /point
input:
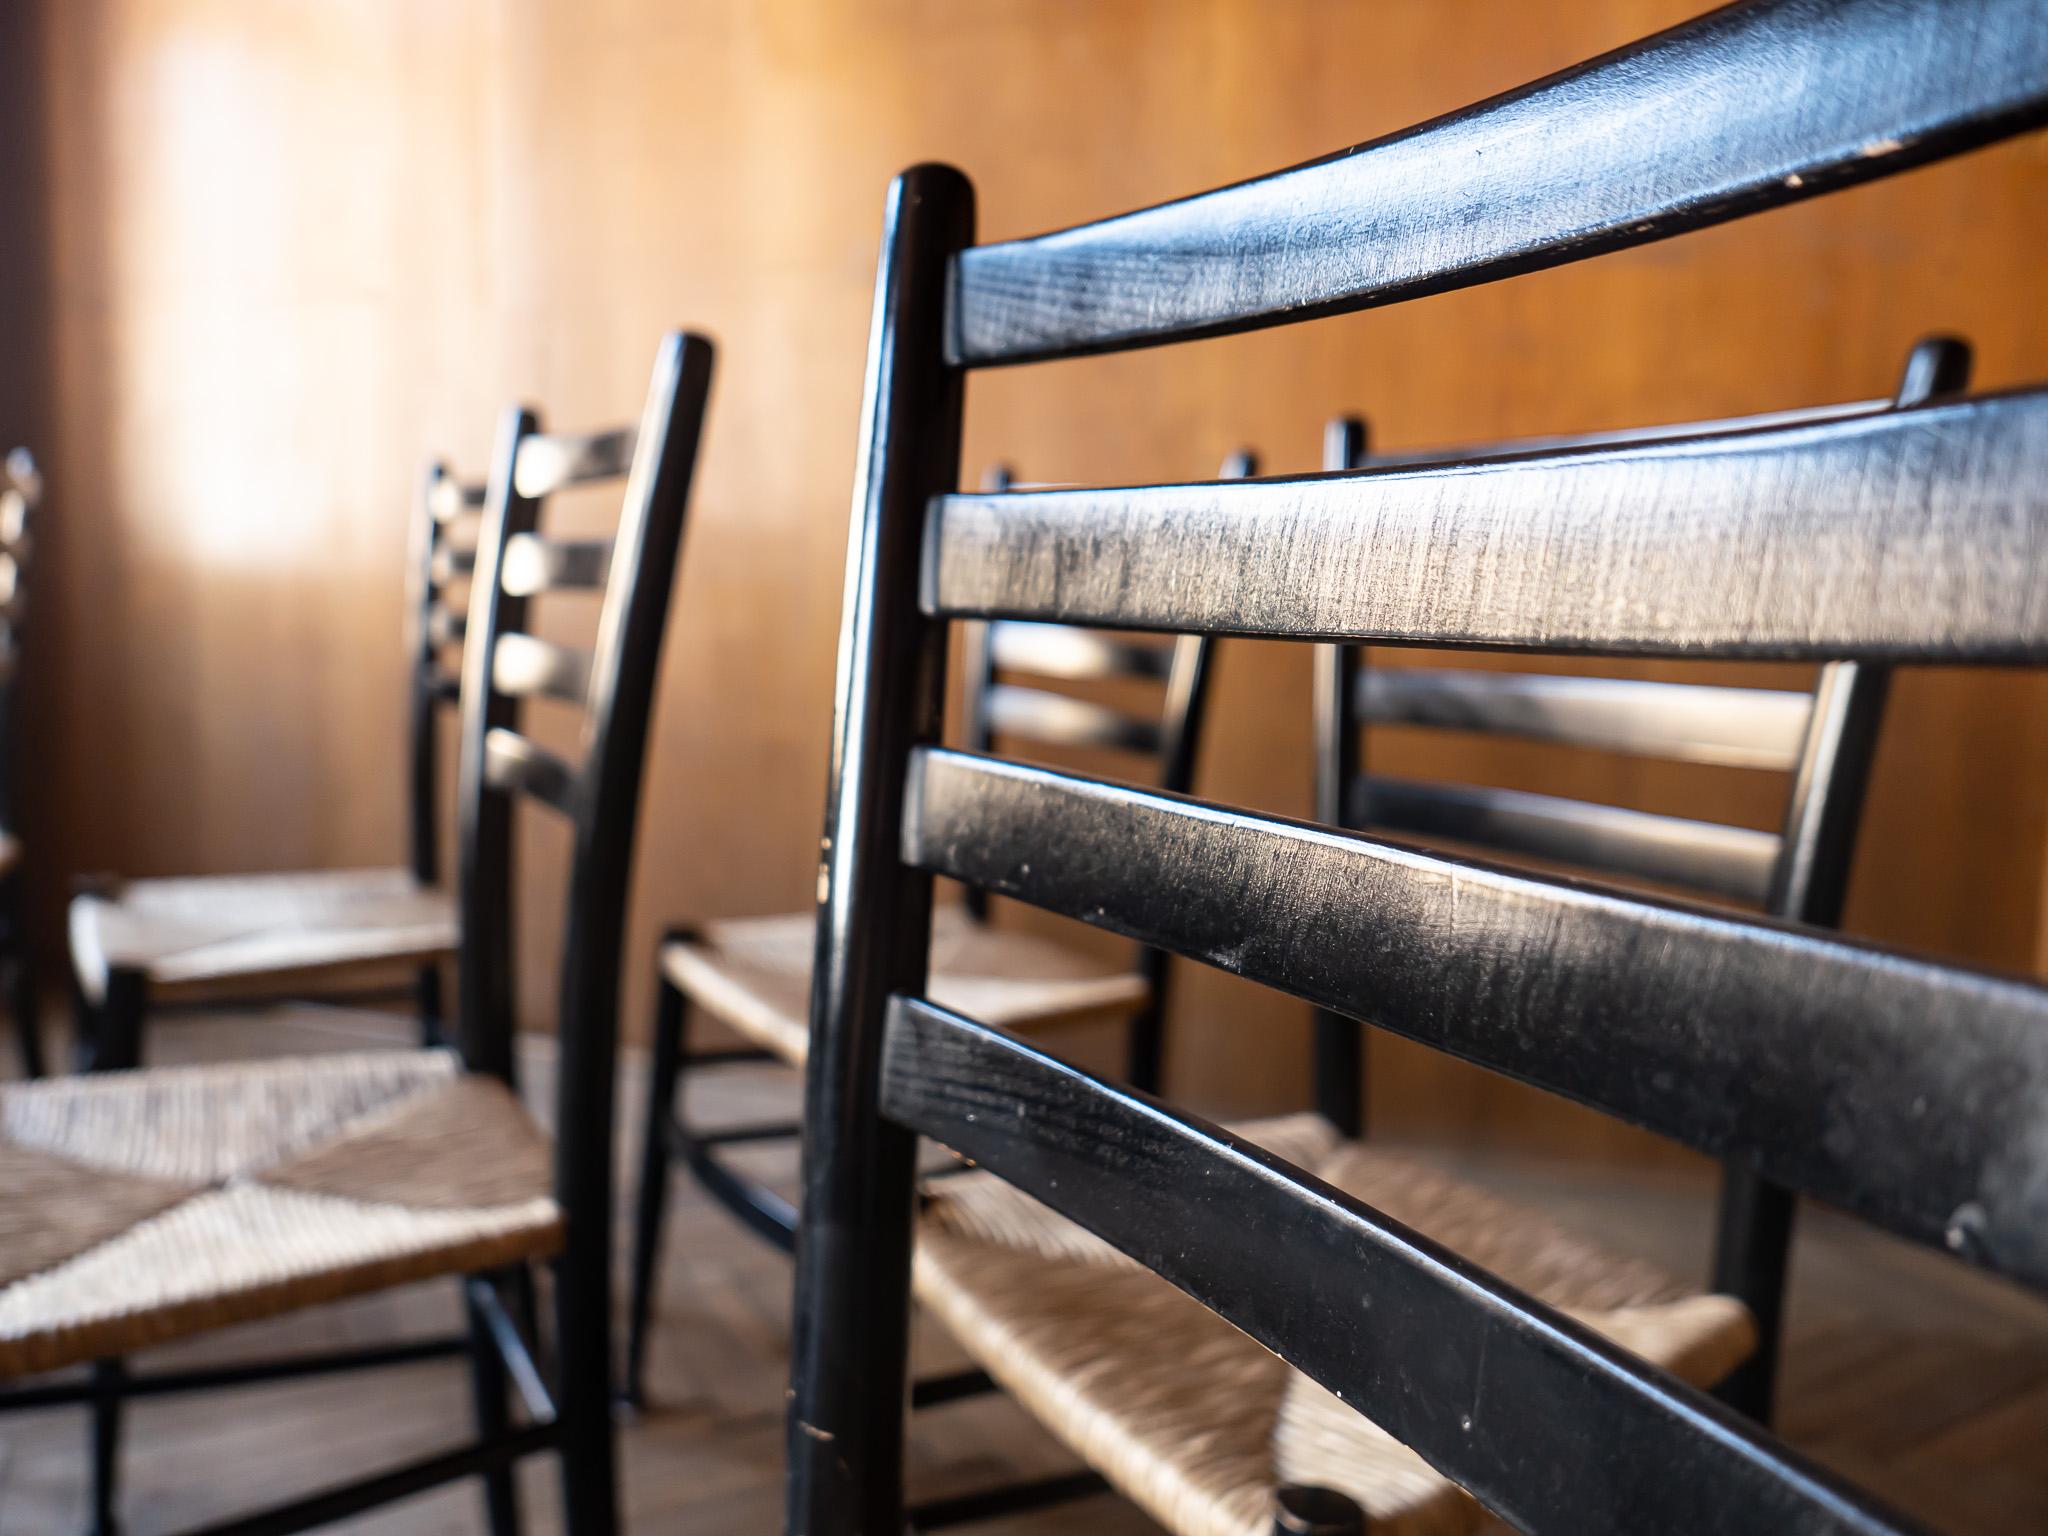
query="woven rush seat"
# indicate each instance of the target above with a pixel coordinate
(1197, 1424)
(139, 1207)
(198, 933)
(755, 974)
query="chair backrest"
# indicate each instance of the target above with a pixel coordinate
(443, 557)
(21, 492)
(613, 682)
(1906, 1091)
(999, 706)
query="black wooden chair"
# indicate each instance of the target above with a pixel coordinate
(1907, 1091)
(146, 1206)
(1821, 740)
(21, 492)
(353, 935)
(754, 974)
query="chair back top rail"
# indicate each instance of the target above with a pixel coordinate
(1549, 1424)
(1744, 108)
(1700, 857)
(1762, 728)
(1910, 1092)
(1916, 534)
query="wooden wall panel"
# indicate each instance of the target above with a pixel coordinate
(296, 248)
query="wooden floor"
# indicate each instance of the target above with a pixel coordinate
(1903, 1372)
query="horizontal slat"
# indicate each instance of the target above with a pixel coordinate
(1056, 720)
(534, 565)
(1701, 856)
(1745, 108)
(445, 625)
(1687, 722)
(1553, 1427)
(553, 461)
(1907, 1091)
(450, 498)
(511, 762)
(1058, 650)
(526, 665)
(1917, 534)
(451, 563)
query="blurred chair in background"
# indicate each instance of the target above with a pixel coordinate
(21, 493)
(1821, 739)
(356, 935)
(147, 1206)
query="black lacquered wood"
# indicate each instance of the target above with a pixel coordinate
(1745, 108)
(1056, 719)
(1703, 856)
(850, 1333)
(1077, 655)
(534, 565)
(555, 461)
(1916, 534)
(1901, 1089)
(1547, 1423)
(529, 667)
(1685, 722)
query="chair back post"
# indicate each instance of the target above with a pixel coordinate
(423, 771)
(485, 872)
(1753, 1224)
(21, 492)
(850, 1332)
(606, 805)
(1337, 1074)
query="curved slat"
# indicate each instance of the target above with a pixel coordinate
(1745, 108)
(534, 565)
(511, 762)
(1506, 1385)
(1056, 720)
(450, 498)
(1686, 722)
(554, 461)
(1056, 650)
(452, 563)
(445, 626)
(1918, 534)
(1703, 856)
(526, 666)
(1913, 1093)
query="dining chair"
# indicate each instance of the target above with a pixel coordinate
(1818, 740)
(146, 1206)
(356, 935)
(754, 974)
(1405, 1361)
(21, 493)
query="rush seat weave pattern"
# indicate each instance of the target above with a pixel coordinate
(197, 933)
(1199, 1425)
(755, 975)
(138, 1207)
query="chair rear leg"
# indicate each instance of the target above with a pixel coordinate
(664, 1073)
(489, 1390)
(583, 1393)
(427, 992)
(110, 1034)
(1752, 1252)
(108, 1377)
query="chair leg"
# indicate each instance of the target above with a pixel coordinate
(489, 1390)
(110, 1035)
(108, 1377)
(583, 1390)
(427, 990)
(1752, 1252)
(24, 999)
(664, 1073)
